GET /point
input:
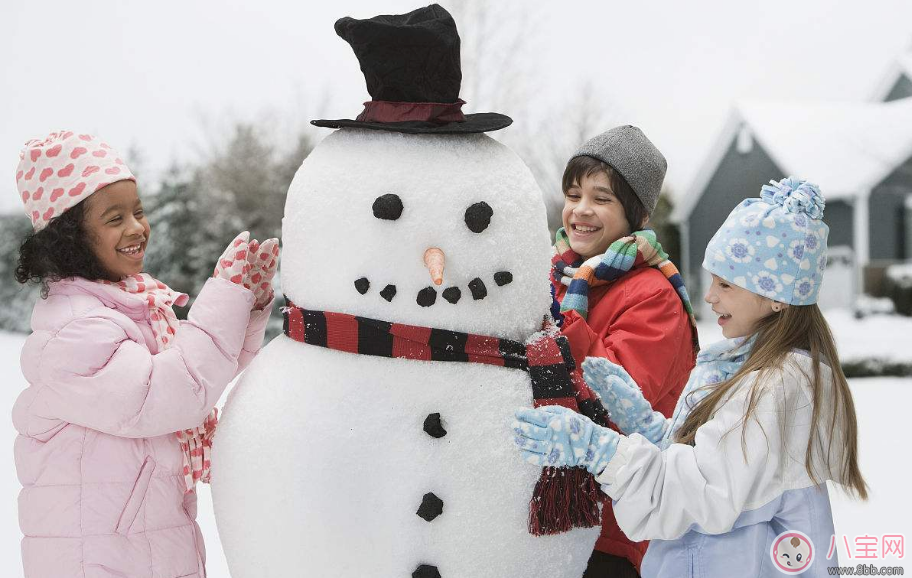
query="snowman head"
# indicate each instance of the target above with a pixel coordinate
(366, 207)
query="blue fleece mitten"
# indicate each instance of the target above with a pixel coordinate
(623, 399)
(557, 436)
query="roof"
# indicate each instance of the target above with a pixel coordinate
(900, 67)
(846, 148)
(905, 64)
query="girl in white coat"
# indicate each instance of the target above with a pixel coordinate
(734, 483)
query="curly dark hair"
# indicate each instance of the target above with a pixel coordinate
(62, 249)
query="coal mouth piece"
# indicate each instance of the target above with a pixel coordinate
(427, 296)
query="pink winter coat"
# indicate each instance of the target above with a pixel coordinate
(103, 489)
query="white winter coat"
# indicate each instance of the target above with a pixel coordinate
(710, 512)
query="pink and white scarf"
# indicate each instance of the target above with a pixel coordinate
(196, 443)
(160, 298)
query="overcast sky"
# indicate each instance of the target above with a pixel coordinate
(168, 76)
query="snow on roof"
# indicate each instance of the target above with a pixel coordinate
(846, 148)
(898, 68)
(905, 64)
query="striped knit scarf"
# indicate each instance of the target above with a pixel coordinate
(640, 249)
(563, 498)
(196, 443)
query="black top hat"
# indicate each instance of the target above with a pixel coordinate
(411, 65)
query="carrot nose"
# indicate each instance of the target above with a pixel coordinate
(435, 260)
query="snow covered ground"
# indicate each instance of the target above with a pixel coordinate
(882, 405)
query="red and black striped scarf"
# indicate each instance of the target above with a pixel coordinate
(563, 498)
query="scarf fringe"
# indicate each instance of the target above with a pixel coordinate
(196, 450)
(564, 498)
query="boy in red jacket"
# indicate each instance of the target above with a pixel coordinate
(619, 295)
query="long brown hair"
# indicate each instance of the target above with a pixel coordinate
(777, 334)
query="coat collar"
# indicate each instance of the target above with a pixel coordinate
(133, 306)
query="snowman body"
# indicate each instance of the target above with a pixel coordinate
(330, 463)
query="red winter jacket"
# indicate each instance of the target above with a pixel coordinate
(640, 323)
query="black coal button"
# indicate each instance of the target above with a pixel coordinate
(388, 292)
(431, 507)
(362, 285)
(387, 207)
(478, 289)
(478, 217)
(452, 294)
(426, 571)
(433, 427)
(427, 297)
(502, 278)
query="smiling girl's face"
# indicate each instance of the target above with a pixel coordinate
(738, 309)
(117, 229)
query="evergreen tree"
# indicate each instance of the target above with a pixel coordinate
(191, 226)
(666, 231)
(245, 175)
(199, 210)
(17, 300)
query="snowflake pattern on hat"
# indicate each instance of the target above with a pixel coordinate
(775, 245)
(61, 170)
(767, 284)
(796, 250)
(740, 251)
(805, 286)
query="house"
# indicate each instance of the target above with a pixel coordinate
(859, 153)
(897, 83)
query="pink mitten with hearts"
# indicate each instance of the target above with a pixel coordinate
(263, 261)
(233, 265)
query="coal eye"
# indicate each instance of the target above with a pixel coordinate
(387, 207)
(478, 217)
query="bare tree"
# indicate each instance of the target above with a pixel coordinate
(247, 165)
(496, 37)
(546, 145)
(499, 74)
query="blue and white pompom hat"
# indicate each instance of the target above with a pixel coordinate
(774, 246)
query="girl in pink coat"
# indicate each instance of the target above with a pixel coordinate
(116, 424)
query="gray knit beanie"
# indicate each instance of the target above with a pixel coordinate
(627, 150)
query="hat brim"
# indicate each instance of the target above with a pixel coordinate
(473, 123)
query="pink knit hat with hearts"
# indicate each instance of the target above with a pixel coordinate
(60, 171)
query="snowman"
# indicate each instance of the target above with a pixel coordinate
(372, 439)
